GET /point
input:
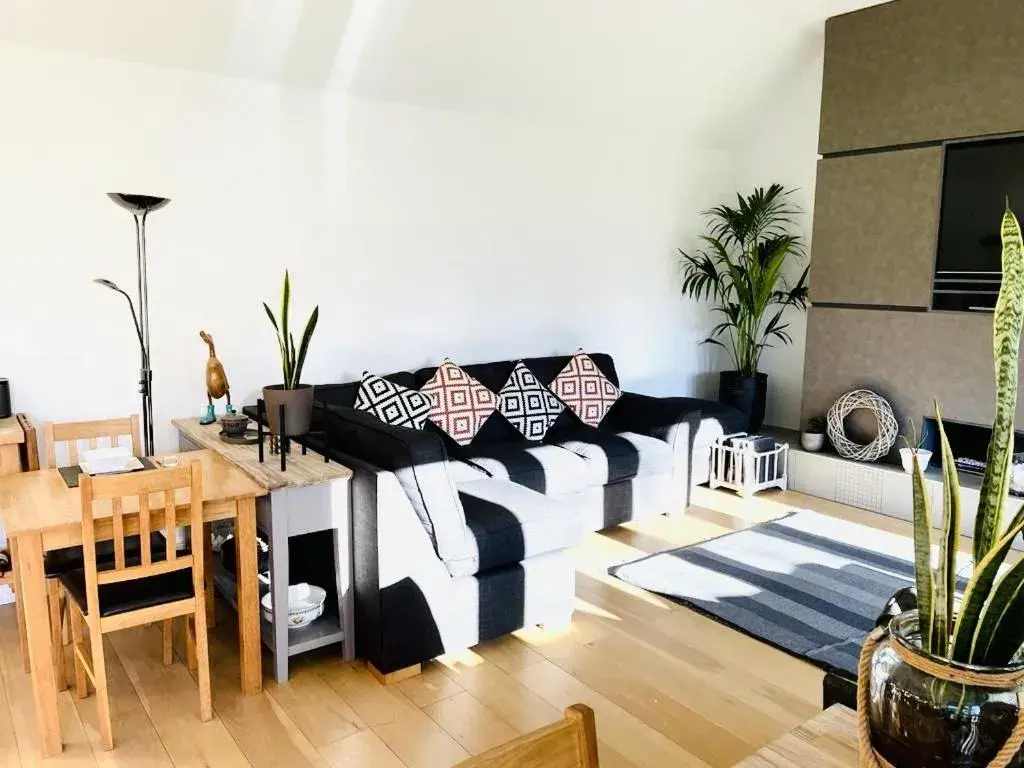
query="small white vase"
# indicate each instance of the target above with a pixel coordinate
(907, 457)
(812, 441)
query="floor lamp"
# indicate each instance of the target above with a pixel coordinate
(140, 206)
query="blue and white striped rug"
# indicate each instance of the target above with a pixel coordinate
(807, 584)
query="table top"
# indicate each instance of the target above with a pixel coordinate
(40, 502)
(827, 741)
(11, 431)
(310, 469)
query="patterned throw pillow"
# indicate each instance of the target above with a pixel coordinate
(392, 403)
(461, 404)
(527, 404)
(586, 390)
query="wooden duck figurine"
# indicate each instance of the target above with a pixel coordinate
(216, 382)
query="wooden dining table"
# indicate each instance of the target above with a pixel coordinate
(41, 513)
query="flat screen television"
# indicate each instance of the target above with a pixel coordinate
(979, 177)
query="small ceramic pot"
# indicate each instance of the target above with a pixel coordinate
(907, 457)
(234, 424)
(812, 441)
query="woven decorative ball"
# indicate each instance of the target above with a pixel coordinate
(888, 429)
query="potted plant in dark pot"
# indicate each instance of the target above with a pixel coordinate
(297, 398)
(740, 270)
(942, 685)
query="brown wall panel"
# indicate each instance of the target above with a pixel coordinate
(922, 70)
(875, 220)
(908, 357)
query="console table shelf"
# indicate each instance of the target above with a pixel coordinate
(310, 496)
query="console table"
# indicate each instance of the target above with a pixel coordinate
(311, 495)
(827, 741)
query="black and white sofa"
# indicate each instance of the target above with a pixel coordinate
(456, 544)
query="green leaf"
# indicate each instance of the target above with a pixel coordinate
(286, 300)
(280, 344)
(923, 558)
(945, 581)
(1006, 326)
(976, 596)
(1000, 632)
(307, 335)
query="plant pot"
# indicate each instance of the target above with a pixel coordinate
(298, 408)
(921, 720)
(907, 457)
(812, 441)
(746, 394)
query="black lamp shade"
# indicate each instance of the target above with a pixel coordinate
(138, 203)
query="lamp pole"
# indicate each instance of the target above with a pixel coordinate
(140, 207)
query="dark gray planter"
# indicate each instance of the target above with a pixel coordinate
(298, 407)
(746, 395)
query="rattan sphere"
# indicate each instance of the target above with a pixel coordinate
(888, 429)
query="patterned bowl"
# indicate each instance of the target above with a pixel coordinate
(305, 605)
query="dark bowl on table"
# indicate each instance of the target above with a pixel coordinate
(234, 424)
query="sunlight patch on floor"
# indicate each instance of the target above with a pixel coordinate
(464, 659)
(582, 606)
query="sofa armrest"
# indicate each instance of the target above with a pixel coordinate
(418, 460)
(672, 419)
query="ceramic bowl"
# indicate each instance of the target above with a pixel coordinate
(234, 424)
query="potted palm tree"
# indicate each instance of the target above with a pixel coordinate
(741, 271)
(942, 685)
(297, 398)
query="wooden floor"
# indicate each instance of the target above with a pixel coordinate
(669, 687)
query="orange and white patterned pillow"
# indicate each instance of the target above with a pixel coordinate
(587, 391)
(461, 404)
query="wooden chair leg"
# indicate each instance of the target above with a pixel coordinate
(99, 672)
(168, 633)
(190, 644)
(56, 632)
(78, 641)
(202, 663)
(19, 606)
(211, 620)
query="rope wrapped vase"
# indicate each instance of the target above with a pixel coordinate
(869, 757)
(888, 429)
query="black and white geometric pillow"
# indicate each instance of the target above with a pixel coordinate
(392, 403)
(527, 404)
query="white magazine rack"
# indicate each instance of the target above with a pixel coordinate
(739, 467)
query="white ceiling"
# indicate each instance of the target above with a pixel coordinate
(589, 59)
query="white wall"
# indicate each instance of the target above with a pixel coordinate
(420, 232)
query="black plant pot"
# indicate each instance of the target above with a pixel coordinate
(747, 395)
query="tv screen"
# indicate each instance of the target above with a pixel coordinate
(979, 177)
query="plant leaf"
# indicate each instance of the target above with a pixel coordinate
(286, 300)
(280, 344)
(1006, 326)
(945, 582)
(307, 335)
(923, 558)
(979, 589)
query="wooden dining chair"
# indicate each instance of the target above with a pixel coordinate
(569, 743)
(61, 445)
(131, 591)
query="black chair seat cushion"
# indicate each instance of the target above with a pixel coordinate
(125, 596)
(58, 561)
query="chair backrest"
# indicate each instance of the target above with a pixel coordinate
(89, 432)
(570, 743)
(139, 502)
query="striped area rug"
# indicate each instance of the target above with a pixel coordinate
(807, 584)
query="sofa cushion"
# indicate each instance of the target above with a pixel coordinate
(528, 405)
(585, 389)
(461, 403)
(345, 394)
(509, 523)
(392, 403)
(612, 457)
(546, 469)
(494, 375)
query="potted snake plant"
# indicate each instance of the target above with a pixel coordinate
(297, 398)
(942, 685)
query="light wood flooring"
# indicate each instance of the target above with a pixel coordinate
(669, 687)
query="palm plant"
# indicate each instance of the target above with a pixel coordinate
(987, 628)
(741, 271)
(292, 359)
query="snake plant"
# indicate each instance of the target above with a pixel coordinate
(292, 360)
(988, 628)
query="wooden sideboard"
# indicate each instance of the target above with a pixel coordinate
(310, 496)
